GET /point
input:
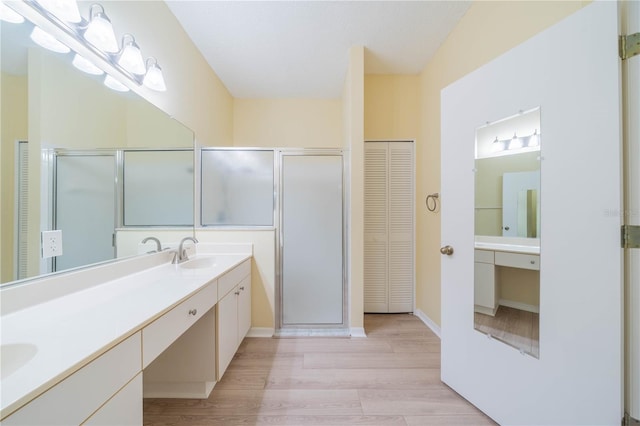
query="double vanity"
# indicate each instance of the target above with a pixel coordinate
(84, 347)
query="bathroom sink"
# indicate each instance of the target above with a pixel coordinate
(15, 355)
(199, 262)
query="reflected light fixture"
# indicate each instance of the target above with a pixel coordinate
(497, 145)
(515, 142)
(534, 139)
(65, 10)
(99, 31)
(153, 79)
(114, 84)
(85, 65)
(46, 40)
(130, 57)
(9, 15)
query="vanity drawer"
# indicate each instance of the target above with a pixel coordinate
(228, 281)
(157, 336)
(484, 256)
(518, 260)
(75, 398)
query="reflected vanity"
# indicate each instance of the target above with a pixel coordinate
(507, 231)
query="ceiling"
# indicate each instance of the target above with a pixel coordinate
(299, 49)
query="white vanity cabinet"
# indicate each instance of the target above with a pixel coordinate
(157, 336)
(486, 291)
(234, 313)
(100, 389)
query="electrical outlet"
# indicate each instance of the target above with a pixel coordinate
(51, 243)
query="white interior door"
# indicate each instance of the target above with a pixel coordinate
(571, 71)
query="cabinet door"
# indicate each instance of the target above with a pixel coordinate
(485, 291)
(124, 409)
(227, 330)
(244, 308)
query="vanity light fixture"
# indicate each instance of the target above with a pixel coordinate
(534, 139)
(46, 40)
(153, 79)
(65, 10)
(130, 57)
(9, 15)
(94, 38)
(85, 65)
(114, 84)
(99, 31)
(515, 142)
(497, 145)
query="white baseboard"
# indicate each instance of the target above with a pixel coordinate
(261, 332)
(518, 305)
(358, 332)
(428, 322)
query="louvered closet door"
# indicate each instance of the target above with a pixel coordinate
(388, 227)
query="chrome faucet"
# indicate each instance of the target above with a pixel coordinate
(158, 245)
(182, 253)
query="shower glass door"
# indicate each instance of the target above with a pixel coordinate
(311, 243)
(85, 208)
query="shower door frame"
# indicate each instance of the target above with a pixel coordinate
(282, 329)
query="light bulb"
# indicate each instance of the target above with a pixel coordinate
(100, 32)
(153, 79)
(130, 57)
(86, 65)
(534, 139)
(515, 142)
(114, 84)
(46, 40)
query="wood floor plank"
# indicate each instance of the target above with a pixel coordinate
(435, 399)
(372, 360)
(326, 420)
(410, 378)
(450, 420)
(277, 402)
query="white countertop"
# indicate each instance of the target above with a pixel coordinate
(72, 330)
(514, 248)
(510, 244)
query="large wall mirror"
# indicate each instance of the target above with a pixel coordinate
(507, 231)
(65, 134)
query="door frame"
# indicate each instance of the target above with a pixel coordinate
(282, 329)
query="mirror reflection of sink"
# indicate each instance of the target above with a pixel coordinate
(199, 262)
(15, 355)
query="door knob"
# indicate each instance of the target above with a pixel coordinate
(448, 250)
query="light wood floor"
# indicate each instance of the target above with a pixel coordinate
(392, 377)
(520, 329)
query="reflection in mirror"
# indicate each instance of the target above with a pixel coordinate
(507, 231)
(62, 117)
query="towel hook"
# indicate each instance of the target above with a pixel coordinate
(432, 201)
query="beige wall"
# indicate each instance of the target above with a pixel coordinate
(13, 108)
(195, 95)
(353, 144)
(488, 29)
(309, 123)
(391, 107)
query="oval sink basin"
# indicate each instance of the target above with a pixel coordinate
(199, 262)
(15, 355)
